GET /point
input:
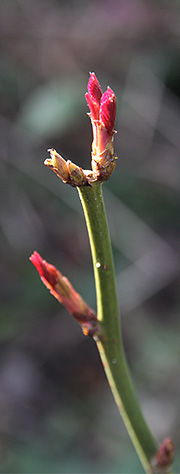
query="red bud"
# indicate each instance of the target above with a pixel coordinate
(93, 106)
(108, 110)
(47, 272)
(165, 454)
(102, 113)
(61, 288)
(94, 88)
(93, 96)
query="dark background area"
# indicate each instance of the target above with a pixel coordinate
(57, 414)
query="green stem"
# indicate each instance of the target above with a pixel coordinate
(111, 347)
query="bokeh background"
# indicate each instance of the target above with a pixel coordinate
(57, 414)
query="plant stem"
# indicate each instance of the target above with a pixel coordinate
(111, 347)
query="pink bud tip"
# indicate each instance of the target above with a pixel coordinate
(47, 272)
(93, 107)
(165, 454)
(102, 106)
(93, 96)
(61, 288)
(108, 110)
(94, 88)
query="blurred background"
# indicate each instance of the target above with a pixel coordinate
(57, 414)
